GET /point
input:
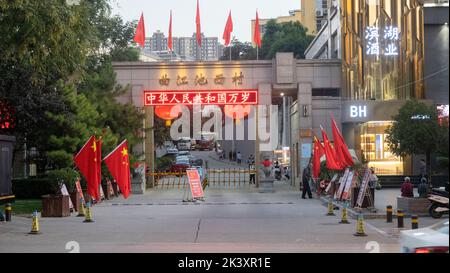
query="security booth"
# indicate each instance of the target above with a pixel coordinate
(6, 157)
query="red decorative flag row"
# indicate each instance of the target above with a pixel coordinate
(257, 32)
(139, 36)
(87, 161)
(118, 164)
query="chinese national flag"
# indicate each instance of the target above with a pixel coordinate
(87, 162)
(257, 34)
(139, 36)
(228, 30)
(118, 164)
(99, 161)
(342, 152)
(318, 153)
(330, 154)
(169, 41)
(199, 28)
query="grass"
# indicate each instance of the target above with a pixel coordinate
(26, 207)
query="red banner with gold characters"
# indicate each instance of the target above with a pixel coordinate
(195, 183)
(213, 97)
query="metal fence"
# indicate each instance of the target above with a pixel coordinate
(232, 178)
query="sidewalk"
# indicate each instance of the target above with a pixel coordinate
(383, 198)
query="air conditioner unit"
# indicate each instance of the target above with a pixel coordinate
(319, 13)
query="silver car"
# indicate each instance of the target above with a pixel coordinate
(432, 239)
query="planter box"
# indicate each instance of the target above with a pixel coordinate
(55, 206)
(354, 198)
(75, 200)
(413, 205)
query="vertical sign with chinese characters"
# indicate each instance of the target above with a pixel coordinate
(382, 41)
(195, 183)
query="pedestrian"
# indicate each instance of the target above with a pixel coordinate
(305, 179)
(252, 170)
(287, 173)
(423, 188)
(407, 188)
(251, 159)
(423, 168)
(373, 179)
(230, 156)
(239, 158)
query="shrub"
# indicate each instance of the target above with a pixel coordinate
(67, 176)
(28, 188)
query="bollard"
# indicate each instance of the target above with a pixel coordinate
(344, 219)
(88, 213)
(330, 209)
(8, 211)
(389, 214)
(81, 211)
(35, 224)
(360, 227)
(400, 216)
(415, 221)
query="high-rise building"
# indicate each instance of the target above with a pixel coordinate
(312, 15)
(186, 47)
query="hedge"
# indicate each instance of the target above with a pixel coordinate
(28, 188)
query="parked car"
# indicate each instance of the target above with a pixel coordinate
(184, 144)
(180, 165)
(432, 239)
(172, 151)
(205, 145)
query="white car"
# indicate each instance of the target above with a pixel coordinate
(172, 151)
(432, 239)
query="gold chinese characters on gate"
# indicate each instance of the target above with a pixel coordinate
(201, 79)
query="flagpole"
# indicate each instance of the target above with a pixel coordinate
(257, 52)
(230, 53)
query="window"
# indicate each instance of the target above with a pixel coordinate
(326, 92)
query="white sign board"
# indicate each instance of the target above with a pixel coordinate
(65, 192)
(363, 188)
(348, 184)
(342, 185)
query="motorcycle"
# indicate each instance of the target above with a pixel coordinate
(439, 203)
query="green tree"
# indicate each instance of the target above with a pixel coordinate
(416, 131)
(284, 37)
(239, 51)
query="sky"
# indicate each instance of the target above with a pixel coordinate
(213, 13)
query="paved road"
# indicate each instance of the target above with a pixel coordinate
(229, 221)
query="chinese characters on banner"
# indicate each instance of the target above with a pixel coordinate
(195, 183)
(384, 42)
(227, 97)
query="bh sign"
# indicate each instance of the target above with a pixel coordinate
(358, 111)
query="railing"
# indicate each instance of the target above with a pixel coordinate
(216, 178)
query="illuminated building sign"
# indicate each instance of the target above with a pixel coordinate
(420, 117)
(384, 42)
(358, 111)
(213, 97)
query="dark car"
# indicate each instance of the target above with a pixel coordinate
(180, 166)
(205, 145)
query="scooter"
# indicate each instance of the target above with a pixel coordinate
(439, 203)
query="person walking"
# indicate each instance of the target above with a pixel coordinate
(239, 158)
(407, 188)
(252, 170)
(251, 159)
(423, 188)
(305, 179)
(373, 180)
(423, 168)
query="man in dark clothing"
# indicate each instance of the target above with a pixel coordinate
(305, 178)
(423, 188)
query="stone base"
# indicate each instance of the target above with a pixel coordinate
(413, 205)
(137, 185)
(266, 185)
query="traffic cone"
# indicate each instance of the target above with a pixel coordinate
(81, 211)
(330, 209)
(344, 219)
(360, 227)
(35, 225)
(88, 213)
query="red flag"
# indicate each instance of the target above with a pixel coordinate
(332, 164)
(99, 160)
(228, 30)
(199, 28)
(139, 37)
(118, 164)
(342, 152)
(257, 34)
(318, 153)
(169, 41)
(87, 163)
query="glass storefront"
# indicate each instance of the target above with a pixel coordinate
(375, 150)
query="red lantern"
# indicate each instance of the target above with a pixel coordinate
(163, 112)
(237, 111)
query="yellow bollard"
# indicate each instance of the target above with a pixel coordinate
(35, 225)
(81, 211)
(360, 227)
(330, 209)
(88, 218)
